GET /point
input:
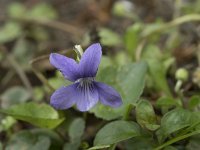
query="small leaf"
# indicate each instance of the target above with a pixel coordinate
(131, 79)
(194, 143)
(43, 11)
(1, 146)
(76, 129)
(157, 69)
(116, 131)
(16, 10)
(132, 37)
(140, 143)
(194, 102)
(71, 146)
(41, 115)
(145, 115)
(14, 95)
(9, 32)
(28, 141)
(167, 102)
(23, 52)
(176, 120)
(109, 38)
(7, 123)
(106, 112)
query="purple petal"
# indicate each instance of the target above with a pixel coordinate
(108, 95)
(65, 97)
(68, 66)
(87, 99)
(90, 60)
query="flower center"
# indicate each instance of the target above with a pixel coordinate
(85, 83)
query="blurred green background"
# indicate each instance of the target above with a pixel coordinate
(164, 33)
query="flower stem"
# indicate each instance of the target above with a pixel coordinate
(177, 139)
(127, 112)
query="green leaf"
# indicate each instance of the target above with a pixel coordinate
(132, 37)
(10, 31)
(7, 123)
(115, 132)
(99, 147)
(56, 140)
(1, 146)
(43, 11)
(106, 112)
(167, 102)
(128, 80)
(157, 69)
(28, 141)
(194, 102)
(122, 58)
(14, 95)
(17, 10)
(139, 143)
(23, 52)
(194, 143)
(145, 115)
(76, 129)
(170, 148)
(71, 146)
(131, 79)
(41, 115)
(109, 38)
(176, 120)
(123, 9)
(58, 81)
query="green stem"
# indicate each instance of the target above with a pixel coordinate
(112, 147)
(127, 112)
(173, 23)
(176, 139)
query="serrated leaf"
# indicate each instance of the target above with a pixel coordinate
(115, 132)
(177, 120)
(145, 115)
(41, 115)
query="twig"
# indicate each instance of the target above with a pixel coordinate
(173, 23)
(11, 60)
(7, 77)
(139, 49)
(38, 73)
(176, 139)
(54, 24)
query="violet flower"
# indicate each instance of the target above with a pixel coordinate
(85, 92)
